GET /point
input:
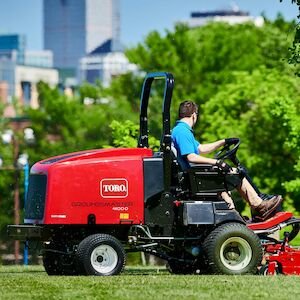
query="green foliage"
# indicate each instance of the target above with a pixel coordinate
(87, 90)
(127, 88)
(7, 177)
(294, 58)
(203, 58)
(64, 124)
(260, 107)
(126, 135)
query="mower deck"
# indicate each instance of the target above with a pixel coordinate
(279, 256)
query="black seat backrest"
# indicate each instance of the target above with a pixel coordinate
(202, 179)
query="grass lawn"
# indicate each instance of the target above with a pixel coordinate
(143, 283)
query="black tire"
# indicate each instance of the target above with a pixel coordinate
(56, 262)
(264, 270)
(101, 255)
(294, 232)
(233, 249)
(51, 264)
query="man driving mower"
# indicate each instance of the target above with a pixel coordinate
(189, 150)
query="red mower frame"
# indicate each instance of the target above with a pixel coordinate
(279, 256)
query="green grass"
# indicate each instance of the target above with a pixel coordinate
(142, 283)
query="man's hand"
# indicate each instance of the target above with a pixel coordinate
(223, 166)
(231, 141)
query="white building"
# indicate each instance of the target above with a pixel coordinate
(104, 63)
(19, 82)
(42, 58)
(231, 16)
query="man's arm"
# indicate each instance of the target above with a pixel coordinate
(194, 158)
(198, 159)
(208, 148)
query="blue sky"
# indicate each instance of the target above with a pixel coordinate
(138, 17)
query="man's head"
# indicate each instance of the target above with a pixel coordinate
(188, 109)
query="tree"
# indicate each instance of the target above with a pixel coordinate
(6, 178)
(125, 135)
(294, 58)
(261, 108)
(203, 58)
(63, 124)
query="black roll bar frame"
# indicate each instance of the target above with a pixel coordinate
(166, 141)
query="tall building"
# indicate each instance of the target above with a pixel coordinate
(74, 28)
(12, 46)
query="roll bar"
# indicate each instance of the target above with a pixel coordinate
(166, 133)
(165, 141)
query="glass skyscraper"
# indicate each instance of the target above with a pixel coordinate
(13, 44)
(74, 28)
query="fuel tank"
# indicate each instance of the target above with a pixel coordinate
(97, 186)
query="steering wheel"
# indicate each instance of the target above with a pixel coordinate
(229, 152)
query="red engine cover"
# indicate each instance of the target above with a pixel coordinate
(108, 184)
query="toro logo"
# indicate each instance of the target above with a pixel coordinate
(114, 188)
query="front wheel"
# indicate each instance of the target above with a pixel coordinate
(100, 254)
(233, 249)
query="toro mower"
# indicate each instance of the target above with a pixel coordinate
(89, 208)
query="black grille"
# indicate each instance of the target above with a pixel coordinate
(35, 202)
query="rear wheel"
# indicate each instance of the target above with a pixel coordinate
(233, 249)
(100, 254)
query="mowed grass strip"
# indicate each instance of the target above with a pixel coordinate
(142, 283)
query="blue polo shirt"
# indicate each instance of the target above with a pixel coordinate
(184, 142)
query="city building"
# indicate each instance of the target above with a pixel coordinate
(21, 70)
(72, 29)
(105, 62)
(43, 58)
(19, 82)
(231, 16)
(12, 46)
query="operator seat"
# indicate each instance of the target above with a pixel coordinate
(201, 181)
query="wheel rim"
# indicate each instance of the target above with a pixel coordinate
(104, 259)
(235, 253)
(265, 269)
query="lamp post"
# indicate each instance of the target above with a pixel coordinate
(26, 183)
(15, 144)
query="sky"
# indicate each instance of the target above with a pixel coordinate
(138, 17)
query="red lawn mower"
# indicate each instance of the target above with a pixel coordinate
(89, 208)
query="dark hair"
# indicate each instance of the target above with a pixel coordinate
(187, 108)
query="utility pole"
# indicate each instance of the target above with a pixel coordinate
(10, 136)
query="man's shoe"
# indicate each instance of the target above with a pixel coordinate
(267, 208)
(265, 197)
